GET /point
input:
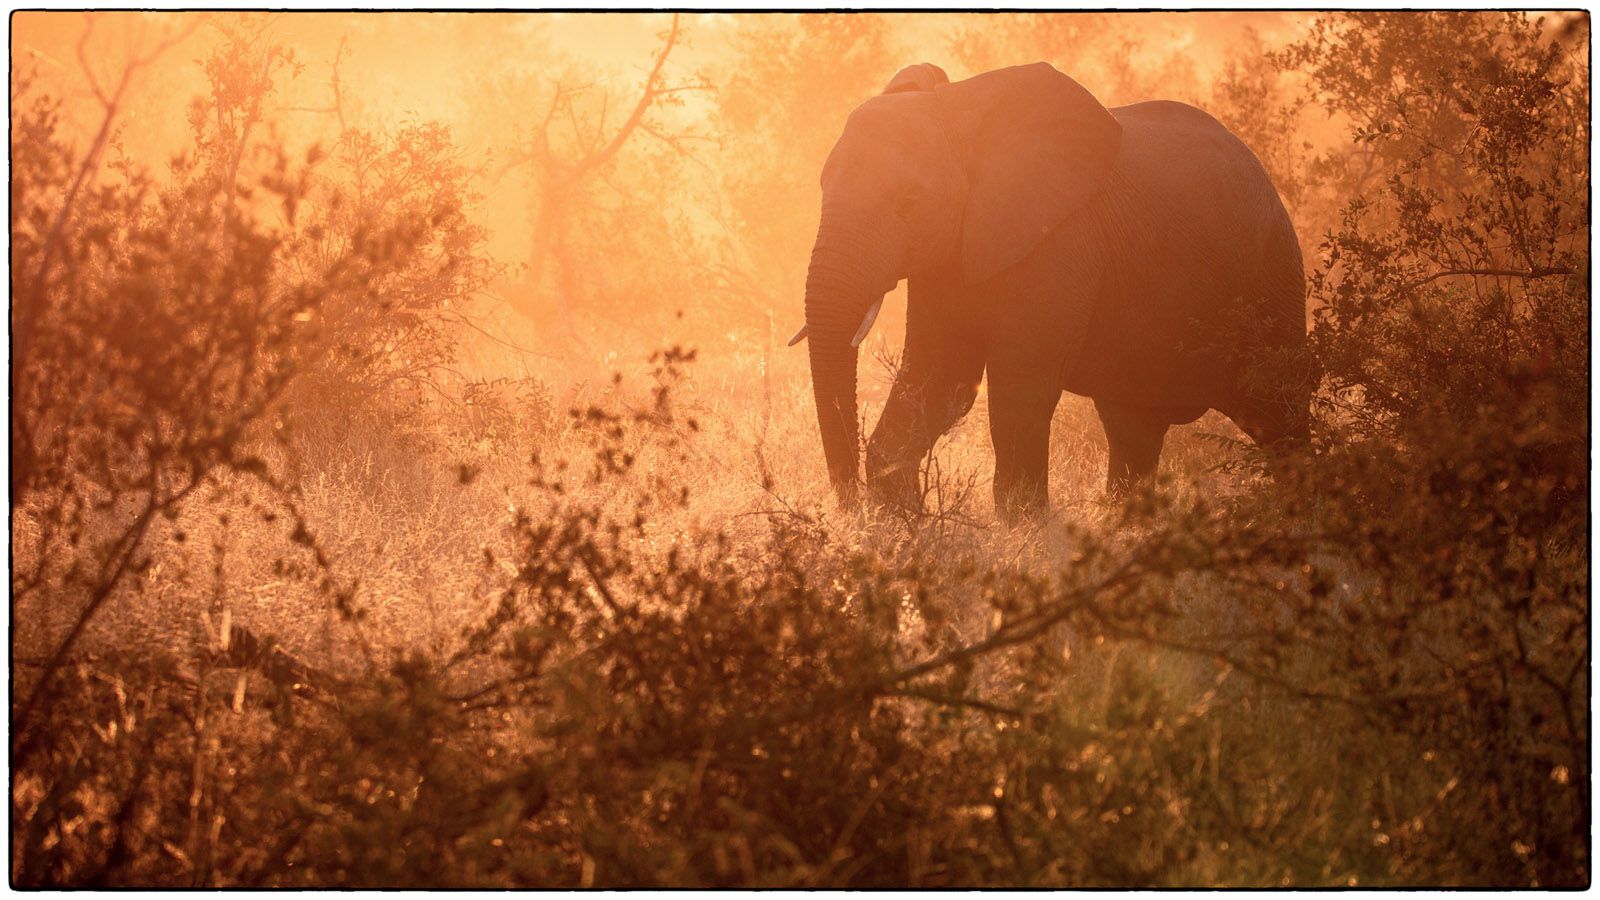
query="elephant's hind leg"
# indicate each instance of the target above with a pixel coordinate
(1273, 428)
(1019, 424)
(1134, 436)
(1280, 431)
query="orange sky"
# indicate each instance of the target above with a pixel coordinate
(399, 67)
(415, 64)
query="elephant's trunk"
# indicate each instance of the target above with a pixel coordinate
(841, 284)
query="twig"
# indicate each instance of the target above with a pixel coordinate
(116, 565)
(935, 697)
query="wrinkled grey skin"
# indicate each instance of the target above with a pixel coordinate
(1139, 256)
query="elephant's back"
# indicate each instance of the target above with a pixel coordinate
(1187, 158)
(1197, 235)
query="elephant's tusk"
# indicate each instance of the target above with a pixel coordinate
(861, 333)
(866, 323)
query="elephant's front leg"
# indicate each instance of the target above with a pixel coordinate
(1043, 309)
(936, 385)
(922, 406)
(1020, 410)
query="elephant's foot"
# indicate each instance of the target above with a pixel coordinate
(1123, 479)
(1133, 436)
(1021, 502)
(1118, 486)
(894, 484)
(1282, 432)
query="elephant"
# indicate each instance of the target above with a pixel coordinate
(1139, 256)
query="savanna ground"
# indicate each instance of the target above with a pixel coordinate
(410, 486)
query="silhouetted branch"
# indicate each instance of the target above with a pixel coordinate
(1501, 273)
(338, 91)
(96, 146)
(652, 89)
(939, 699)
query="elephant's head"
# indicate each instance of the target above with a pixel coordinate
(960, 179)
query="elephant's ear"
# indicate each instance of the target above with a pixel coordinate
(1039, 147)
(920, 77)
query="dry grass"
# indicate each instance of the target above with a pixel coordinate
(1258, 785)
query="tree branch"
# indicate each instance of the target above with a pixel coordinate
(1503, 273)
(652, 89)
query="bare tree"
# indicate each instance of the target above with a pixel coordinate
(565, 176)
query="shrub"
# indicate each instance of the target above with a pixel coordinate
(403, 199)
(195, 313)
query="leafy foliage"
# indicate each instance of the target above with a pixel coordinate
(402, 198)
(1452, 328)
